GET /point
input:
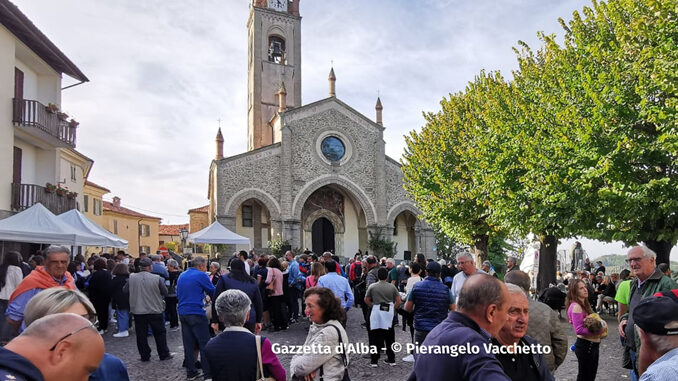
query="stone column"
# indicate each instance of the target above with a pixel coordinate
(292, 233)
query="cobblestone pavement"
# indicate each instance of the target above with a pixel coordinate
(359, 369)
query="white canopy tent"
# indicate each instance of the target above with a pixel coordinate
(75, 218)
(38, 225)
(217, 233)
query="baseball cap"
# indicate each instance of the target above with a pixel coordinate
(657, 315)
(433, 267)
(145, 262)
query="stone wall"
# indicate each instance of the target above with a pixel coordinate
(242, 175)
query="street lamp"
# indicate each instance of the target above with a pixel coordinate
(183, 234)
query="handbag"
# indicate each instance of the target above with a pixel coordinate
(343, 358)
(260, 364)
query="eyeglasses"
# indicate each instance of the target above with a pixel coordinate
(91, 325)
(630, 260)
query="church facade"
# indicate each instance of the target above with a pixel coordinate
(315, 175)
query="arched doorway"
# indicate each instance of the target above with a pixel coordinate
(404, 233)
(322, 233)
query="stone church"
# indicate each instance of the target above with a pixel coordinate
(315, 175)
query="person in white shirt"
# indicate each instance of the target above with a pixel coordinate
(10, 277)
(242, 255)
(415, 277)
(468, 268)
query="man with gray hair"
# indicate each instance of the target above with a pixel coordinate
(159, 267)
(544, 326)
(56, 347)
(519, 366)
(146, 301)
(192, 286)
(649, 281)
(232, 354)
(511, 264)
(53, 274)
(466, 268)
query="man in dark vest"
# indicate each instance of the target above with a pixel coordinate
(430, 300)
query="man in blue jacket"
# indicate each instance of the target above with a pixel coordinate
(482, 307)
(430, 300)
(296, 282)
(192, 286)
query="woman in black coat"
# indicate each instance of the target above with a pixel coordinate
(239, 280)
(99, 291)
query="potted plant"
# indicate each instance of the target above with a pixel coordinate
(50, 188)
(73, 123)
(52, 108)
(72, 195)
(62, 116)
(61, 191)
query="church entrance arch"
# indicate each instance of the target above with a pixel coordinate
(322, 233)
(331, 219)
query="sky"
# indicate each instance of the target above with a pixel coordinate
(162, 72)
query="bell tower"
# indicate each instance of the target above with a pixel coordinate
(274, 57)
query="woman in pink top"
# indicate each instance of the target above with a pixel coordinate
(587, 346)
(274, 289)
(317, 270)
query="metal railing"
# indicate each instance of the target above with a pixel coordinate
(35, 114)
(26, 195)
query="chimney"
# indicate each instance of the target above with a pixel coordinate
(332, 79)
(116, 201)
(220, 145)
(282, 98)
(379, 107)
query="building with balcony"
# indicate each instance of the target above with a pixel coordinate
(38, 157)
(140, 230)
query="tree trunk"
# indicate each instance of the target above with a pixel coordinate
(547, 261)
(480, 248)
(662, 248)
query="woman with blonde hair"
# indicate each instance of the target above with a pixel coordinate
(317, 270)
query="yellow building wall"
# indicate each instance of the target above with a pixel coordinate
(128, 228)
(93, 193)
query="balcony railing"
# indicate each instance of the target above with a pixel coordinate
(26, 195)
(34, 114)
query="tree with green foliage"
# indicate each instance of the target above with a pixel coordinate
(583, 141)
(621, 63)
(441, 179)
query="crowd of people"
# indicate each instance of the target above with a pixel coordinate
(56, 307)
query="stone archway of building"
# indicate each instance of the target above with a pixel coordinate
(310, 234)
(347, 186)
(262, 197)
(322, 236)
